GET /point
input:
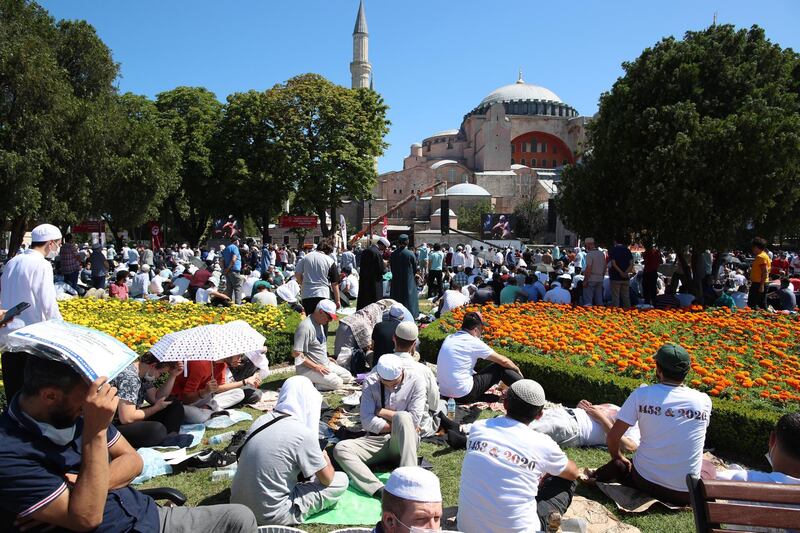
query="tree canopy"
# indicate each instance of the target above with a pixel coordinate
(699, 139)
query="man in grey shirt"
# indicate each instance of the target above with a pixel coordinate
(271, 460)
(393, 401)
(319, 277)
(310, 350)
(593, 274)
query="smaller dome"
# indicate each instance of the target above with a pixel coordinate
(445, 133)
(438, 213)
(467, 189)
(443, 162)
(416, 145)
(517, 167)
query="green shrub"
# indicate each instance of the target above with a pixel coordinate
(738, 430)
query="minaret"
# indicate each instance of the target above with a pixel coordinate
(360, 67)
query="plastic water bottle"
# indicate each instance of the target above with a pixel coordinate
(222, 438)
(219, 475)
(451, 409)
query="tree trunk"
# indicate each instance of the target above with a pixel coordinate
(698, 273)
(323, 222)
(17, 235)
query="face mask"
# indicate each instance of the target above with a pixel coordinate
(768, 455)
(53, 253)
(55, 435)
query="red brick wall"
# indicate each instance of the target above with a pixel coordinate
(554, 149)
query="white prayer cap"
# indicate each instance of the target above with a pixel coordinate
(179, 270)
(45, 232)
(384, 241)
(529, 392)
(389, 367)
(145, 268)
(214, 281)
(414, 483)
(408, 331)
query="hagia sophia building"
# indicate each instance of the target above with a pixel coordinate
(509, 148)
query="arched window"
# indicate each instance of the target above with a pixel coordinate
(533, 162)
(534, 146)
(513, 162)
(555, 163)
(522, 161)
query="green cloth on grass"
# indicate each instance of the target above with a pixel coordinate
(354, 509)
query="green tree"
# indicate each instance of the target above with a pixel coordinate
(141, 165)
(249, 158)
(469, 217)
(531, 220)
(192, 115)
(332, 136)
(56, 80)
(699, 139)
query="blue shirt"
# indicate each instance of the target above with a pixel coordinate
(32, 472)
(623, 259)
(227, 256)
(264, 264)
(534, 292)
(437, 258)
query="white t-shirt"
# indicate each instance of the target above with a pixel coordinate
(458, 259)
(673, 422)
(453, 299)
(265, 298)
(500, 476)
(457, 357)
(740, 474)
(202, 296)
(592, 433)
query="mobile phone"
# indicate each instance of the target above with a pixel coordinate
(15, 311)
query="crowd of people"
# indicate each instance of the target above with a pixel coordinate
(68, 453)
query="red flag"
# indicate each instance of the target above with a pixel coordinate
(156, 237)
(385, 229)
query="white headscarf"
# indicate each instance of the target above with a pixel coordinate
(301, 400)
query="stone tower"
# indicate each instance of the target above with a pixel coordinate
(360, 67)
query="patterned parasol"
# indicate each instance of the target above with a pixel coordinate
(208, 343)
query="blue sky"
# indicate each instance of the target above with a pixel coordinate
(433, 60)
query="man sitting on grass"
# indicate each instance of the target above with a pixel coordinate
(783, 456)
(457, 357)
(672, 420)
(513, 478)
(64, 465)
(392, 405)
(281, 446)
(310, 350)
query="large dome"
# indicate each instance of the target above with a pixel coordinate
(520, 91)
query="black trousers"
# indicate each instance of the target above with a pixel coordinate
(484, 380)
(555, 494)
(153, 431)
(13, 365)
(650, 287)
(756, 299)
(434, 283)
(310, 304)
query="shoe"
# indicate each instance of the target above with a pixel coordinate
(210, 459)
(553, 522)
(215, 414)
(236, 442)
(423, 463)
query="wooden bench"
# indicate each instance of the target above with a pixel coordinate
(742, 504)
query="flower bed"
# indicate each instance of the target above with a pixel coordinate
(140, 325)
(745, 361)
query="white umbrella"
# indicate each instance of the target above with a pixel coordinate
(208, 343)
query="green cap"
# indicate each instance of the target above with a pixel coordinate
(674, 359)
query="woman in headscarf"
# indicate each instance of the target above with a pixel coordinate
(279, 446)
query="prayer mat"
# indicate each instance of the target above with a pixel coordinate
(268, 401)
(598, 518)
(353, 509)
(632, 500)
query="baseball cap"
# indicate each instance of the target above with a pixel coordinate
(674, 359)
(328, 307)
(408, 331)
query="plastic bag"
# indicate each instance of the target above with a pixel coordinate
(154, 465)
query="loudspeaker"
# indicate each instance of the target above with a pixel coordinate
(552, 216)
(444, 216)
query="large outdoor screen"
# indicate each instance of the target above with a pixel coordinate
(499, 226)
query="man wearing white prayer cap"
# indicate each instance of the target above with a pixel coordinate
(28, 278)
(501, 478)
(280, 446)
(412, 502)
(405, 343)
(393, 402)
